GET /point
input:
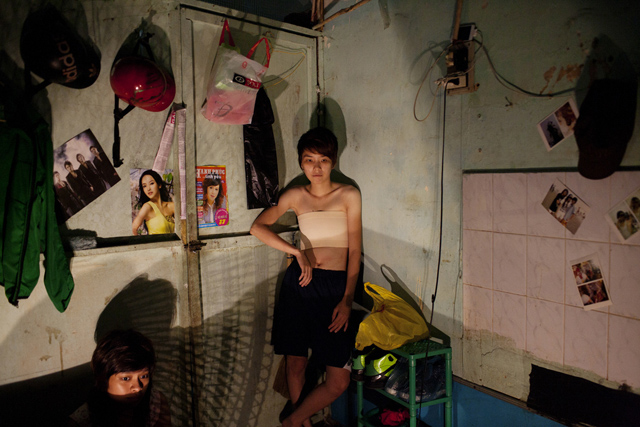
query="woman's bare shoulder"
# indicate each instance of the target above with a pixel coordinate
(349, 190)
(294, 193)
(289, 199)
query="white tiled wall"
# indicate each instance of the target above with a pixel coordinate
(517, 280)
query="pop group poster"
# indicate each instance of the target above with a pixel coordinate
(211, 196)
(82, 172)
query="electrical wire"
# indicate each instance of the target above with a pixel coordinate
(499, 77)
(415, 101)
(509, 85)
(444, 121)
(441, 215)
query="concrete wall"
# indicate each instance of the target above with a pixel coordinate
(216, 307)
(373, 73)
(45, 354)
(545, 47)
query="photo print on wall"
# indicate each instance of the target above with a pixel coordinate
(81, 173)
(137, 203)
(559, 125)
(624, 217)
(590, 282)
(565, 206)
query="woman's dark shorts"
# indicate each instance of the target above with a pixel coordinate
(303, 314)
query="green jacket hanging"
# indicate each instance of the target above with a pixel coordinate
(27, 212)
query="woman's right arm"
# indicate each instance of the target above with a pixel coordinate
(261, 229)
(139, 218)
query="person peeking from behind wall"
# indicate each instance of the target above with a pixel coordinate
(317, 291)
(123, 395)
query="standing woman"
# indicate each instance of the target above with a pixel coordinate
(157, 211)
(318, 288)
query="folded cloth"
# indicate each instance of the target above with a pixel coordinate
(390, 417)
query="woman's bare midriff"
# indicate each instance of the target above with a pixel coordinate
(328, 258)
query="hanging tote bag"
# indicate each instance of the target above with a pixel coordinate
(233, 82)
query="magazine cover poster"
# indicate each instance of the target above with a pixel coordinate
(136, 193)
(81, 173)
(211, 196)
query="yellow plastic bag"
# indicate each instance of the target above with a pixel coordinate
(392, 322)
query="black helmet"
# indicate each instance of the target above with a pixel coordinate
(52, 49)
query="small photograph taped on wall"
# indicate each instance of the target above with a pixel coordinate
(81, 173)
(565, 206)
(559, 125)
(590, 282)
(211, 196)
(154, 189)
(624, 217)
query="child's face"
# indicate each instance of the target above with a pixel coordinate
(128, 387)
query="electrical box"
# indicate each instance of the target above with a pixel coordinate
(460, 62)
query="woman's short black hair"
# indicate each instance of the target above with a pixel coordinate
(121, 351)
(68, 163)
(319, 140)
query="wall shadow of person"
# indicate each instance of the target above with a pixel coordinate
(235, 364)
(328, 114)
(143, 304)
(149, 306)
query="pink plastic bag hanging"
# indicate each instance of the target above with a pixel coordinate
(233, 83)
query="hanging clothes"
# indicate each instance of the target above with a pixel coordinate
(260, 157)
(27, 205)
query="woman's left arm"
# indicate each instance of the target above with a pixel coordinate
(354, 227)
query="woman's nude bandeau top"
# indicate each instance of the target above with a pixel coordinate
(323, 229)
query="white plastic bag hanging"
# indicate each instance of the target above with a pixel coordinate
(233, 83)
